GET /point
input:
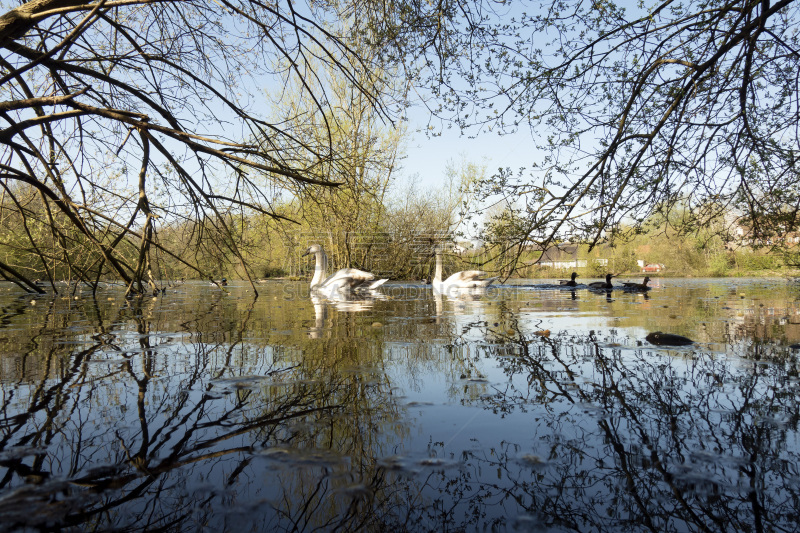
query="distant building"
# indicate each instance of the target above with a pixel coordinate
(565, 257)
(742, 235)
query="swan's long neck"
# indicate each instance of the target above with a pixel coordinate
(320, 268)
(437, 277)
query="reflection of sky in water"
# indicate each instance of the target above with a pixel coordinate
(525, 405)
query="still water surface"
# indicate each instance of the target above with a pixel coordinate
(525, 409)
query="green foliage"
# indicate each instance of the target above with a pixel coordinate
(596, 270)
(757, 261)
(683, 249)
(719, 265)
(166, 130)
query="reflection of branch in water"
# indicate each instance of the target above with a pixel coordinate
(49, 400)
(298, 433)
(654, 438)
(192, 420)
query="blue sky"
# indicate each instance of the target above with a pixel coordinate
(428, 156)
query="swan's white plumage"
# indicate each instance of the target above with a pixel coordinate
(466, 279)
(344, 280)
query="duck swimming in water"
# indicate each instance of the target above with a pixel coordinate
(570, 282)
(637, 287)
(603, 284)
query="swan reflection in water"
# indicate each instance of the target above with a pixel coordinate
(343, 302)
(467, 302)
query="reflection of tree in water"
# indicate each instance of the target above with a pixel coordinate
(643, 439)
(764, 325)
(129, 429)
(132, 428)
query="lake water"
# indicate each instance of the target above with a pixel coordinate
(527, 408)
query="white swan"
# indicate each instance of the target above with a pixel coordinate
(466, 279)
(343, 281)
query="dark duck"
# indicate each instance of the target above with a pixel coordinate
(637, 287)
(569, 282)
(603, 284)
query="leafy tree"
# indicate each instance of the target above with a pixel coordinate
(349, 218)
(419, 219)
(126, 115)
